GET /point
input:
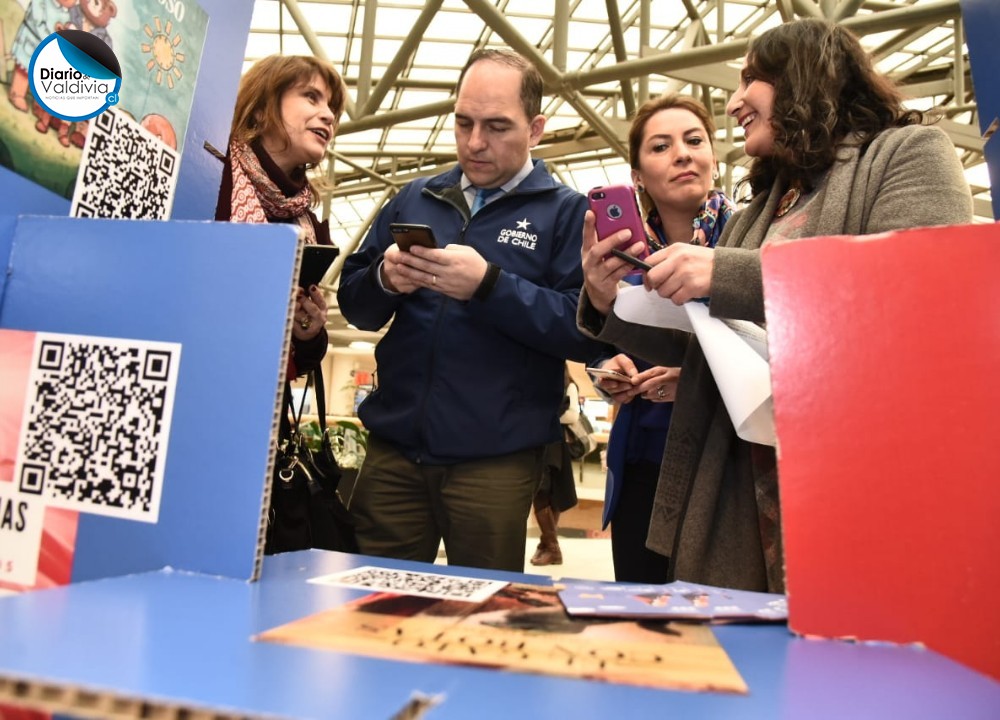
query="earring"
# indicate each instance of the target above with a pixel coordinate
(715, 175)
(640, 188)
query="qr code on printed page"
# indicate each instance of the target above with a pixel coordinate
(422, 584)
(125, 171)
(96, 424)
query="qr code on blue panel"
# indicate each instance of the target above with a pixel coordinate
(96, 424)
(125, 171)
(407, 582)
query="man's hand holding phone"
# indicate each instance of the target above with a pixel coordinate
(406, 235)
(416, 261)
(396, 274)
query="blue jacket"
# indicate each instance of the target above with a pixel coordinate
(458, 381)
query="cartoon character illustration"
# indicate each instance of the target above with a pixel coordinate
(91, 16)
(41, 19)
(161, 128)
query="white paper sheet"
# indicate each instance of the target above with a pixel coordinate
(736, 352)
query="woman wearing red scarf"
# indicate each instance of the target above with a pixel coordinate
(287, 110)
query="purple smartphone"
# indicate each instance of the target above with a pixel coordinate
(615, 208)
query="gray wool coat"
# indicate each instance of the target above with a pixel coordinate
(716, 511)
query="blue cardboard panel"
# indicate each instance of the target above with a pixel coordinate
(992, 153)
(980, 20)
(7, 225)
(164, 637)
(223, 292)
(23, 196)
(212, 109)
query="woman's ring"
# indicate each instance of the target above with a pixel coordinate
(304, 324)
(661, 392)
(434, 279)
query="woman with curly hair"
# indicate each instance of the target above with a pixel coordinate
(835, 153)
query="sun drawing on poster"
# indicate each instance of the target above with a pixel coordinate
(164, 56)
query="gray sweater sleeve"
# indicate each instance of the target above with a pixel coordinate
(737, 286)
(920, 182)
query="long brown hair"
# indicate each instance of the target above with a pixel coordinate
(637, 130)
(826, 88)
(258, 101)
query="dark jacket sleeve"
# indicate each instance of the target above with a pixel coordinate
(362, 300)
(543, 317)
(308, 354)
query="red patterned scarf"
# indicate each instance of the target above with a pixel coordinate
(255, 197)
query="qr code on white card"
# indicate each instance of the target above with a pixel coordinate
(125, 171)
(404, 582)
(96, 424)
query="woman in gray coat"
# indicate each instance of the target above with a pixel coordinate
(835, 153)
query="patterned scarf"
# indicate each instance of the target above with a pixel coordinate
(255, 197)
(707, 224)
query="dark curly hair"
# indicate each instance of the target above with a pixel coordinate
(826, 88)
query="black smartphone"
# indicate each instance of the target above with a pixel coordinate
(631, 259)
(406, 235)
(315, 261)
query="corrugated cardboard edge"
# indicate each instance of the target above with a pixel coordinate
(276, 416)
(101, 704)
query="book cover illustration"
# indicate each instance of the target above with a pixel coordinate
(678, 600)
(521, 628)
(159, 47)
(84, 425)
(36, 543)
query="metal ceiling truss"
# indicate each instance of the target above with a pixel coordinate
(604, 91)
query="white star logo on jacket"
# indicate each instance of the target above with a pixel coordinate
(523, 224)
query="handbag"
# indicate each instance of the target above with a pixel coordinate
(579, 436)
(306, 510)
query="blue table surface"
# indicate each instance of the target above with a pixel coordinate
(184, 639)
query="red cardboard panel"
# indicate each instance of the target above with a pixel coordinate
(885, 365)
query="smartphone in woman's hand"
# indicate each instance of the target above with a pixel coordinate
(615, 208)
(609, 374)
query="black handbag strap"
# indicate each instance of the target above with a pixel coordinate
(289, 417)
(320, 389)
(288, 426)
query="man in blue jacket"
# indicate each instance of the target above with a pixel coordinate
(470, 372)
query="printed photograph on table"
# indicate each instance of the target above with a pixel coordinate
(520, 628)
(159, 47)
(84, 424)
(680, 600)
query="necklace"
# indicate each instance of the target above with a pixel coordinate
(787, 202)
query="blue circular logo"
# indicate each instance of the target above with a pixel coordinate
(74, 75)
